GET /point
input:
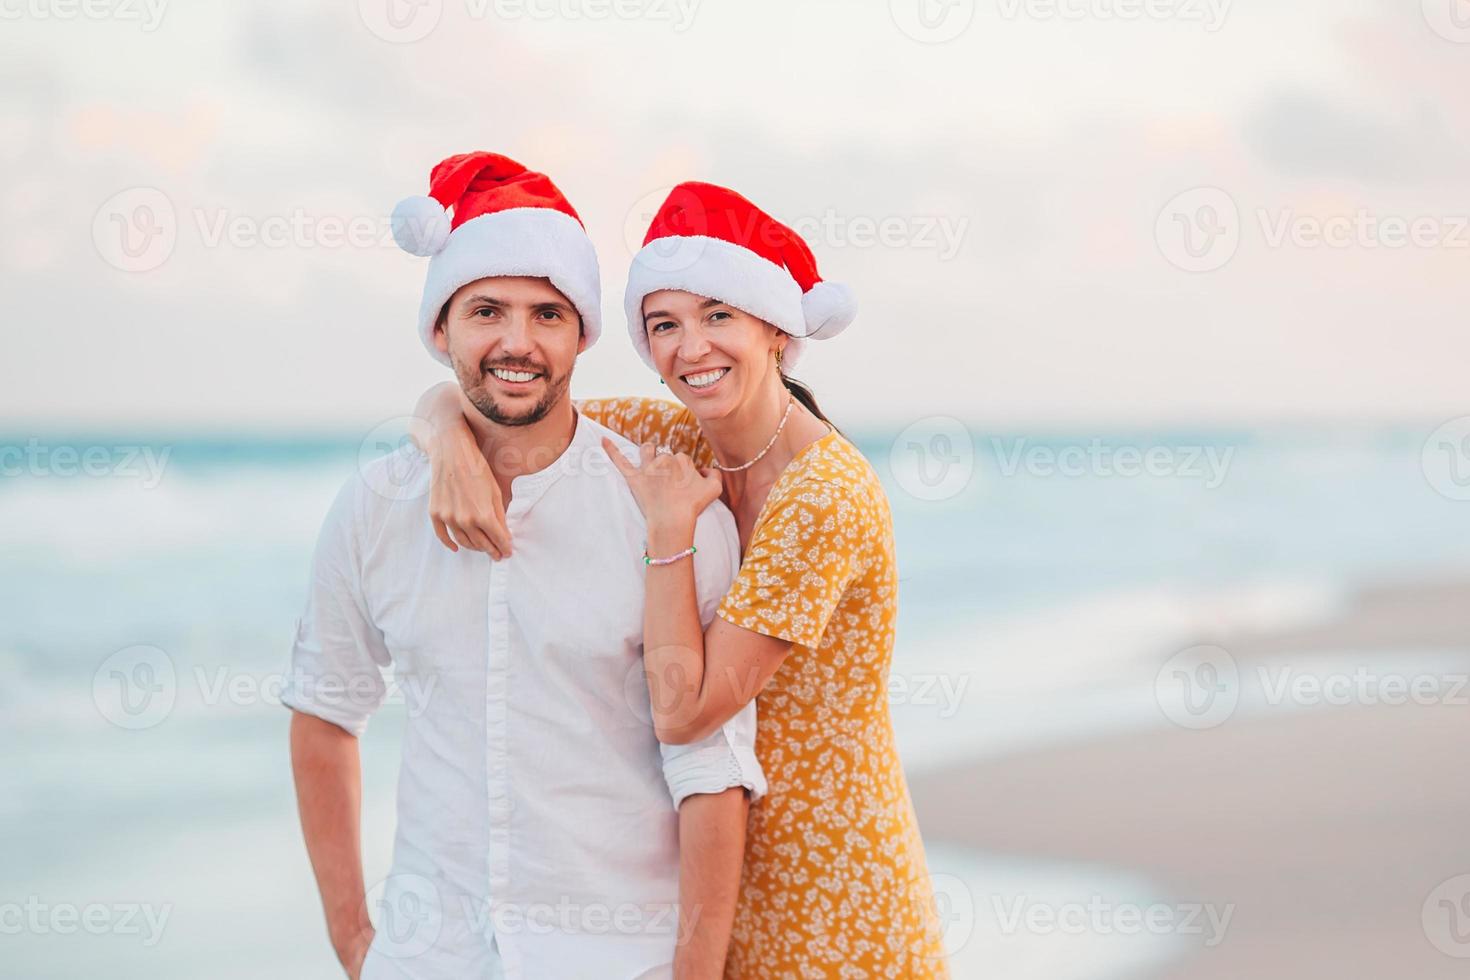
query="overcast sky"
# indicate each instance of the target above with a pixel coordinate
(1052, 211)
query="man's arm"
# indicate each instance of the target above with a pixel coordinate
(711, 854)
(328, 772)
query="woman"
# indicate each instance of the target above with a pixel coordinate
(720, 301)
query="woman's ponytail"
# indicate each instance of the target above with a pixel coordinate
(804, 395)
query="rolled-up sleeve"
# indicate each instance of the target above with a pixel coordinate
(725, 759)
(338, 657)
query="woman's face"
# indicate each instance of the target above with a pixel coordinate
(714, 357)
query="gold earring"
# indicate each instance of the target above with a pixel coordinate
(778, 358)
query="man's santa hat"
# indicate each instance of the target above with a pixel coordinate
(711, 241)
(508, 221)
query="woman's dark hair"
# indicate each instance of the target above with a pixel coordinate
(804, 395)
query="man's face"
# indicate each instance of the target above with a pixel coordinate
(513, 341)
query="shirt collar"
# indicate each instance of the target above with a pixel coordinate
(525, 490)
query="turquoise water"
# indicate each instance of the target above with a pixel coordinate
(1017, 585)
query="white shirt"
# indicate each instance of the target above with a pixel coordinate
(537, 826)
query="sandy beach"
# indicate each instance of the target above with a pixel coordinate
(1326, 827)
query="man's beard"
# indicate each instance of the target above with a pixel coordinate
(472, 380)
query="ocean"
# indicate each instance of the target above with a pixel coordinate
(149, 597)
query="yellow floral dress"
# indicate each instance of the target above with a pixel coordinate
(835, 883)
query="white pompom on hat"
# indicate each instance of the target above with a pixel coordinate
(507, 221)
(710, 241)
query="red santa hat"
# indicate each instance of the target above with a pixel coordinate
(508, 221)
(711, 241)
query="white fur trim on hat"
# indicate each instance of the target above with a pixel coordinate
(732, 274)
(537, 242)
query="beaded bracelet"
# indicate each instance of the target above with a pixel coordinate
(668, 561)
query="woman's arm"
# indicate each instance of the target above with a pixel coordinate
(465, 503)
(698, 679)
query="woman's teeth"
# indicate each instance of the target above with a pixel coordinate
(705, 379)
(504, 375)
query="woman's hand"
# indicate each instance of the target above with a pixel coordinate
(465, 504)
(669, 489)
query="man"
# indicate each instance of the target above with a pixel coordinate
(543, 833)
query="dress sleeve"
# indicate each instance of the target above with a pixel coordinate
(655, 420)
(800, 562)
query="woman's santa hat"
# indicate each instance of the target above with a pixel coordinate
(711, 241)
(508, 221)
